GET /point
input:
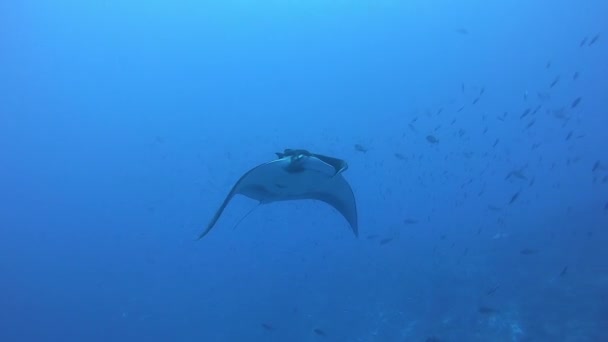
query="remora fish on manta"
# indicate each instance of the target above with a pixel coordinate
(296, 175)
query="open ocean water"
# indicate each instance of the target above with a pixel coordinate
(476, 135)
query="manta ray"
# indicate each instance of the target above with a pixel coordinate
(296, 175)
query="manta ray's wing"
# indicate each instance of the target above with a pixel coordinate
(282, 180)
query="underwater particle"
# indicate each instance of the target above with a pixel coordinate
(432, 139)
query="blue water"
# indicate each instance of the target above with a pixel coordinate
(123, 124)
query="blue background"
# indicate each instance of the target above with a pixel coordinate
(123, 124)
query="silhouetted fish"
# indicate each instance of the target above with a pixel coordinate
(528, 251)
(563, 272)
(462, 30)
(576, 102)
(575, 76)
(360, 148)
(492, 290)
(583, 42)
(594, 39)
(319, 332)
(554, 82)
(486, 310)
(267, 327)
(514, 197)
(432, 139)
(410, 221)
(385, 241)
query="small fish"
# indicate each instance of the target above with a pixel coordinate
(486, 310)
(528, 251)
(410, 221)
(563, 272)
(411, 126)
(575, 76)
(576, 102)
(319, 332)
(399, 156)
(531, 123)
(495, 142)
(569, 135)
(462, 31)
(596, 166)
(548, 65)
(525, 113)
(267, 327)
(606, 206)
(583, 42)
(494, 208)
(462, 87)
(385, 241)
(482, 90)
(432, 139)
(460, 109)
(360, 148)
(492, 290)
(554, 82)
(372, 236)
(514, 197)
(594, 39)
(517, 174)
(475, 100)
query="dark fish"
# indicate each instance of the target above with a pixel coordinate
(494, 208)
(475, 100)
(360, 148)
(372, 236)
(576, 102)
(531, 123)
(555, 81)
(411, 126)
(432, 139)
(486, 310)
(563, 272)
(537, 109)
(575, 76)
(400, 156)
(514, 197)
(543, 96)
(528, 251)
(569, 135)
(594, 39)
(596, 166)
(385, 241)
(462, 87)
(606, 206)
(432, 339)
(548, 65)
(492, 290)
(495, 143)
(460, 109)
(583, 42)
(482, 90)
(525, 113)
(462, 30)
(267, 327)
(517, 174)
(319, 332)
(410, 221)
